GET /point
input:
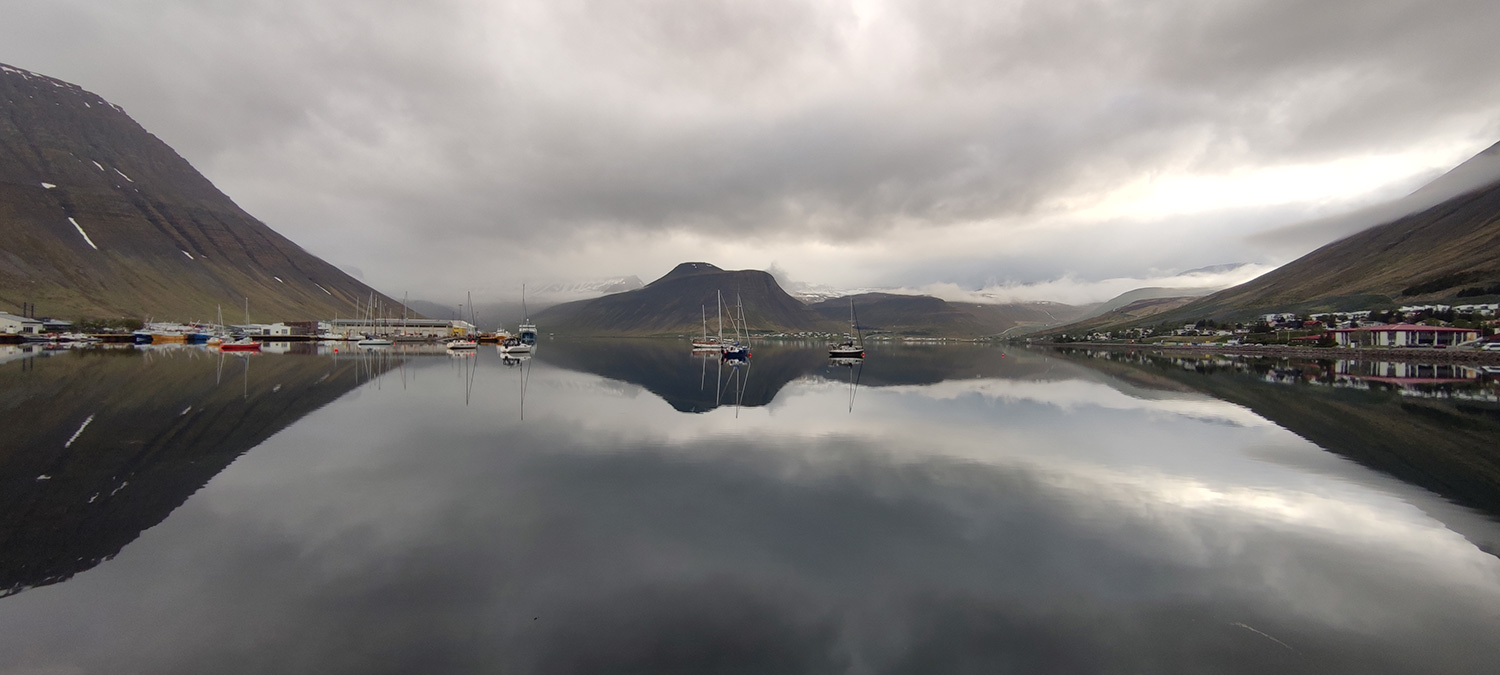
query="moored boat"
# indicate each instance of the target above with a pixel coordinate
(852, 347)
(243, 344)
(514, 345)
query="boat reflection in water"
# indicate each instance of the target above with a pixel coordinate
(856, 366)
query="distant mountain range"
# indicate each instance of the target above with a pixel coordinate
(99, 218)
(666, 307)
(922, 315)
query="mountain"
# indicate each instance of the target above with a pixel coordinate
(1433, 253)
(508, 310)
(565, 291)
(923, 315)
(99, 218)
(1143, 311)
(1127, 299)
(665, 306)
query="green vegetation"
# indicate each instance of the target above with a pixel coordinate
(1441, 283)
(1476, 291)
(106, 325)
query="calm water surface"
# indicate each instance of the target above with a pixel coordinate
(628, 507)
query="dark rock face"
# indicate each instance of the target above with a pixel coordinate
(99, 218)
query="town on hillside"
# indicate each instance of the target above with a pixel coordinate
(1411, 326)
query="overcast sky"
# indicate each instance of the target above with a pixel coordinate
(454, 145)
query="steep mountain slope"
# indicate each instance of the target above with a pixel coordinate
(100, 218)
(1149, 310)
(1430, 254)
(1129, 298)
(675, 303)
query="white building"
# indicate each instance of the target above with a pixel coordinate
(1403, 335)
(11, 324)
(439, 328)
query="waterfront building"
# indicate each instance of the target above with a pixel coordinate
(433, 328)
(1403, 335)
(19, 325)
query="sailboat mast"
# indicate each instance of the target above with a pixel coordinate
(721, 315)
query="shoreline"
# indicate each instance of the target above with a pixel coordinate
(1406, 355)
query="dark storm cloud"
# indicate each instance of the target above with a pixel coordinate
(384, 131)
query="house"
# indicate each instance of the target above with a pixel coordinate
(1403, 335)
(11, 324)
(266, 330)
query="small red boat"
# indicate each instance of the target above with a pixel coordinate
(240, 345)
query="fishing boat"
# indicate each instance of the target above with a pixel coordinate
(527, 329)
(852, 347)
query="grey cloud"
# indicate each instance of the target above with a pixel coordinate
(380, 132)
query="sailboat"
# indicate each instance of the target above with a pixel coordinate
(404, 335)
(527, 329)
(851, 347)
(466, 342)
(709, 342)
(373, 340)
(734, 351)
(244, 344)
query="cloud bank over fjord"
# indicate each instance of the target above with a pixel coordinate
(850, 142)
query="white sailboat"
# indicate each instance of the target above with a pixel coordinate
(466, 342)
(709, 342)
(373, 340)
(852, 347)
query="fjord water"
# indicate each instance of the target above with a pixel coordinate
(626, 506)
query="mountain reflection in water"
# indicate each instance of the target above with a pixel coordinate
(975, 509)
(103, 443)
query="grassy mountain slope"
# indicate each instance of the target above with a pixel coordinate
(99, 218)
(1428, 255)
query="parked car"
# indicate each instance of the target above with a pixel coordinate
(1491, 346)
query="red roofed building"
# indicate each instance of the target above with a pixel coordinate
(1403, 335)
